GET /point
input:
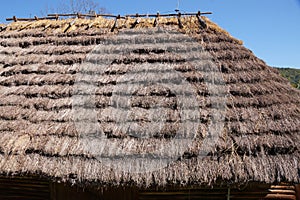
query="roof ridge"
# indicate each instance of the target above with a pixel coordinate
(94, 15)
(187, 24)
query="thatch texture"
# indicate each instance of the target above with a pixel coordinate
(39, 64)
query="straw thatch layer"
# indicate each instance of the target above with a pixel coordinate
(40, 63)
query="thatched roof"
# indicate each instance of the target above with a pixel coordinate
(40, 67)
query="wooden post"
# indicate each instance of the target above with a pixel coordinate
(53, 195)
(297, 188)
(115, 24)
(137, 21)
(228, 193)
(179, 21)
(201, 22)
(156, 22)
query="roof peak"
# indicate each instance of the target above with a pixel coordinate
(187, 23)
(78, 15)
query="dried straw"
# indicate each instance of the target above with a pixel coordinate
(40, 60)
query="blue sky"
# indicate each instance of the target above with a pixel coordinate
(270, 28)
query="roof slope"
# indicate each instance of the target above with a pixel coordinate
(39, 67)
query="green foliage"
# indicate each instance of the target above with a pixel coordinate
(293, 75)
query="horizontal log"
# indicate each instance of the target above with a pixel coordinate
(168, 15)
(86, 15)
(287, 187)
(278, 191)
(29, 19)
(280, 196)
(79, 15)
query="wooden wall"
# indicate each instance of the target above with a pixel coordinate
(37, 188)
(66, 192)
(61, 191)
(251, 191)
(298, 191)
(15, 188)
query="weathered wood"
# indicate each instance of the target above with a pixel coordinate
(280, 196)
(168, 15)
(29, 19)
(84, 15)
(39, 188)
(249, 191)
(19, 187)
(53, 195)
(297, 189)
(79, 15)
(283, 191)
(287, 187)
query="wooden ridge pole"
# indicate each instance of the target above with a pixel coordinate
(79, 15)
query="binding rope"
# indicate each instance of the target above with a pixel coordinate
(137, 21)
(70, 25)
